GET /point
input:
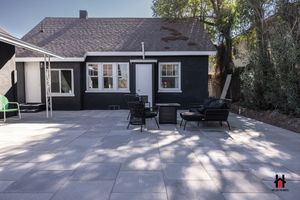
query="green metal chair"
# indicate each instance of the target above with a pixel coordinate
(4, 107)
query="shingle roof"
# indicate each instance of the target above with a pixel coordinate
(73, 37)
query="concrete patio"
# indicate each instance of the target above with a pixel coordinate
(89, 155)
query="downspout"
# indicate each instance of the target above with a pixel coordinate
(143, 50)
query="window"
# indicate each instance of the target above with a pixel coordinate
(112, 77)
(108, 82)
(169, 77)
(92, 76)
(62, 82)
(122, 76)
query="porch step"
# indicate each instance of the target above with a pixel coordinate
(32, 107)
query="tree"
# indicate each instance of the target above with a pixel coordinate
(220, 18)
(271, 80)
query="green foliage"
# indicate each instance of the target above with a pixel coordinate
(169, 8)
(271, 80)
(220, 20)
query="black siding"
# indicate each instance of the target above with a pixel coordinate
(65, 103)
(194, 82)
(21, 82)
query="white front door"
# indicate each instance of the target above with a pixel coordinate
(144, 80)
(32, 82)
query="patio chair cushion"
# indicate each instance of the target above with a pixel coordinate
(207, 101)
(191, 116)
(217, 104)
(9, 110)
(3, 103)
(150, 114)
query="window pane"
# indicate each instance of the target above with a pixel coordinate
(122, 69)
(122, 82)
(66, 81)
(55, 81)
(93, 82)
(107, 70)
(169, 82)
(164, 70)
(169, 70)
(93, 69)
(176, 70)
(108, 82)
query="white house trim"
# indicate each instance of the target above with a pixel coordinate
(169, 90)
(41, 59)
(143, 61)
(119, 53)
(100, 88)
(150, 53)
(19, 43)
(59, 94)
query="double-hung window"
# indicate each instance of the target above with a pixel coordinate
(108, 77)
(123, 74)
(169, 77)
(62, 83)
(92, 76)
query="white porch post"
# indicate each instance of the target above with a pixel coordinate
(50, 86)
(46, 86)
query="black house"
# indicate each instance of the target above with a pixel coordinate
(106, 58)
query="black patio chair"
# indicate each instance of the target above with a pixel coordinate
(139, 114)
(215, 110)
(131, 98)
(144, 99)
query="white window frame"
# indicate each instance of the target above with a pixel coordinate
(169, 90)
(87, 76)
(101, 88)
(60, 94)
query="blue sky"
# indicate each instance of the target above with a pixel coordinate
(19, 16)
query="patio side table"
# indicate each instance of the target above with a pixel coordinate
(167, 112)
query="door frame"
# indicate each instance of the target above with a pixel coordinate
(152, 79)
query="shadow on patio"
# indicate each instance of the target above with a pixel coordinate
(91, 152)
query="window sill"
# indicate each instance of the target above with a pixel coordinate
(169, 91)
(108, 91)
(62, 95)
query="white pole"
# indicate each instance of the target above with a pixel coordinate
(143, 49)
(46, 85)
(50, 84)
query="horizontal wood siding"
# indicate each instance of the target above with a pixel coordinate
(66, 103)
(194, 82)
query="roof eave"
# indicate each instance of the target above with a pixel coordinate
(20, 43)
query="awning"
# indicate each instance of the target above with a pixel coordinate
(6, 38)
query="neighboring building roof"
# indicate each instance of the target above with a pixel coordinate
(74, 37)
(8, 39)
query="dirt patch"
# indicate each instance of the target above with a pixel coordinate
(271, 117)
